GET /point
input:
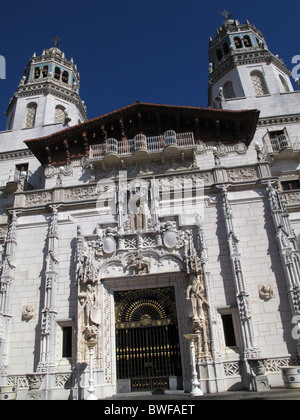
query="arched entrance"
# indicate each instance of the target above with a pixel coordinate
(147, 342)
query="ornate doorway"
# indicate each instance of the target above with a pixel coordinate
(147, 341)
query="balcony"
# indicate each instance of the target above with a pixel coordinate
(278, 145)
(15, 181)
(170, 145)
(280, 142)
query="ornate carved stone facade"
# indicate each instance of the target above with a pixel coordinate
(145, 226)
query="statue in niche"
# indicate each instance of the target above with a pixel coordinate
(90, 306)
(138, 191)
(138, 217)
(196, 293)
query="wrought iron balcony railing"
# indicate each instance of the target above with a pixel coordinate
(141, 142)
(279, 145)
(280, 142)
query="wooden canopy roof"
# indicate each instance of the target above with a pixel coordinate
(228, 127)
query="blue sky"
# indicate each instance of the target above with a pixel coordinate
(126, 50)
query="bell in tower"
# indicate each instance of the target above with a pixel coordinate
(243, 73)
(47, 98)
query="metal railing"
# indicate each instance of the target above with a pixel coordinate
(279, 142)
(14, 176)
(141, 142)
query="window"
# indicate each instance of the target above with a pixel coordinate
(279, 140)
(219, 54)
(37, 72)
(21, 170)
(225, 48)
(284, 84)
(247, 41)
(238, 42)
(228, 90)
(290, 185)
(228, 329)
(30, 115)
(66, 342)
(57, 73)
(259, 83)
(59, 114)
(45, 71)
(65, 77)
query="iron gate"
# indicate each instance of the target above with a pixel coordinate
(148, 351)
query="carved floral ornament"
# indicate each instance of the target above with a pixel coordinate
(114, 254)
(108, 188)
(241, 174)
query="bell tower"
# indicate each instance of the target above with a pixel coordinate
(47, 98)
(243, 73)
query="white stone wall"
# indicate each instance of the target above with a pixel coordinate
(276, 103)
(27, 290)
(260, 262)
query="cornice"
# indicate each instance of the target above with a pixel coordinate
(42, 87)
(17, 154)
(53, 88)
(245, 58)
(284, 119)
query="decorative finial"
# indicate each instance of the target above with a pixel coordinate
(56, 41)
(226, 14)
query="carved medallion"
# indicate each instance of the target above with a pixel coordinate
(109, 245)
(170, 239)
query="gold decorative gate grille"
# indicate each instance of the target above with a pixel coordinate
(147, 342)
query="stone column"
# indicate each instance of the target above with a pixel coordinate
(6, 282)
(250, 346)
(47, 362)
(288, 249)
(214, 366)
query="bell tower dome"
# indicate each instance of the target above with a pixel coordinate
(243, 73)
(47, 98)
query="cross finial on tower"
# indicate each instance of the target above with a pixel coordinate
(226, 13)
(56, 41)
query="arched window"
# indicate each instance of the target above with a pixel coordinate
(247, 41)
(228, 90)
(59, 114)
(37, 72)
(30, 115)
(45, 71)
(238, 42)
(57, 73)
(65, 77)
(225, 48)
(284, 84)
(259, 83)
(219, 54)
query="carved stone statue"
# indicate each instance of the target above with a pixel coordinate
(90, 306)
(139, 264)
(196, 293)
(90, 333)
